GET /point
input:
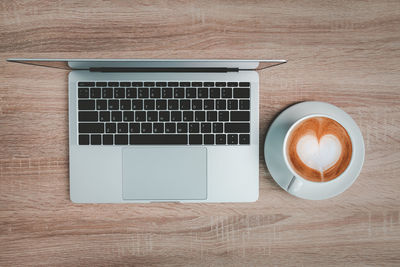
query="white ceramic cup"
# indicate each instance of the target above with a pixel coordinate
(297, 181)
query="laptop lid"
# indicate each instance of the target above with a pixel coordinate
(145, 65)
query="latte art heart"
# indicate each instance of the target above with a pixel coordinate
(320, 154)
(319, 149)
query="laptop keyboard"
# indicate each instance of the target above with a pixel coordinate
(163, 113)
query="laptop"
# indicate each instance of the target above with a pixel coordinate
(162, 130)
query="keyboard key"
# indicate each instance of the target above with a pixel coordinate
(146, 128)
(86, 104)
(190, 92)
(140, 116)
(113, 104)
(113, 84)
(155, 93)
(122, 128)
(107, 93)
(121, 139)
(241, 92)
(137, 84)
(111, 127)
(179, 92)
(244, 84)
(200, 116)
(237, 127)
(137, 104)
(206, 127)
(188, 116)
(195, 139)
(208, 84)
(131, 92)
(240, 115)
(163, 116)
(208, 104)
(95, 92)
(220, 139)
(170, 128)
(208, 139)
(108, 139)
(173, 84)
(202, 92)
(149, 84)
(86, 84)
(95, 139)
(152, 116)
(143, 92)
(173, 104)
(83, 139)
(166, 93)
(226, 93)
(158, 139)
(223, 115)
(116, 116)
(232, 139)
(232, 104)
(176, 116)
(218, 127)
(181, 128)
(161, 104)
(119, 93)
(83, 92)
(101, 84)
(128, 116)
(194, 127)
(161, 84)
(104, 116)
(134, 127)
(184, 84)
(197, 84)
(232, 84)
(197, 104)
(211, 116)
(101, 104)
(125, 104)
(91, 128)
(220, 84)
(149, 104)
(88, 116)
(244, 104)
(125, 84)
(214, 92)
(158, 128)
(185, 104)
(220, 104)
(244, 139)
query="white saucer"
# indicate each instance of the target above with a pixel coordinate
(273, 151)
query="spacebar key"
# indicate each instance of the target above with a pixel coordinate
(158, 139)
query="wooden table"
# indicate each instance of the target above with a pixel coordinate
(342, 52)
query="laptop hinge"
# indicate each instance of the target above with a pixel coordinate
(113, 69)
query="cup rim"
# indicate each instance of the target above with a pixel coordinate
(294, 173)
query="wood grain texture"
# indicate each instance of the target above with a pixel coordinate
(342, 52)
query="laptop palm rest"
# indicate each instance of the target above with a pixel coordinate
(164, 173)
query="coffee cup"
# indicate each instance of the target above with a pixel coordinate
(316, 149)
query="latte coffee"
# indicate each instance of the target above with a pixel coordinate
(319, 149)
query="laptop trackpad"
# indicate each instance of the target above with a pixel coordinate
(164, 173)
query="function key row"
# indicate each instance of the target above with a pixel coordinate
(165, 92)
(163, 84)
(177, 139)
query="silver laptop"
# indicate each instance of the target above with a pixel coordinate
(162, 130)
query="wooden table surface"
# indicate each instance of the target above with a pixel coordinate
(342, 52)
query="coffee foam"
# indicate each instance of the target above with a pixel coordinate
(319, 149)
